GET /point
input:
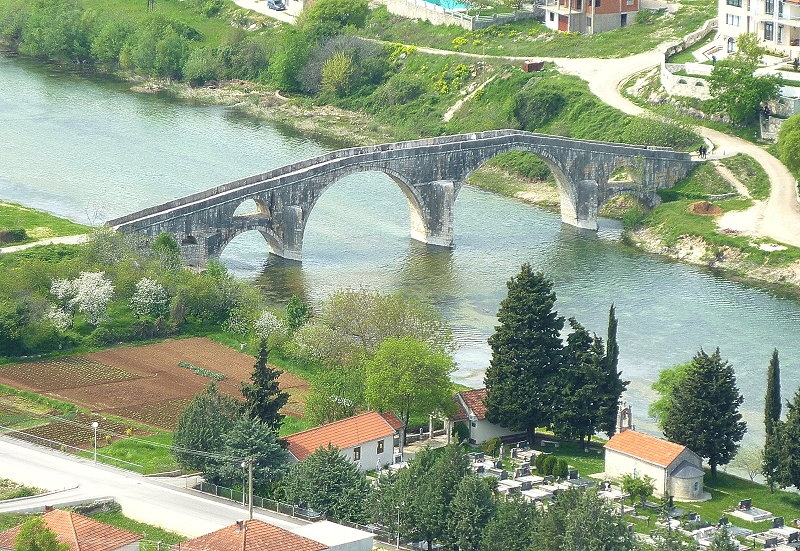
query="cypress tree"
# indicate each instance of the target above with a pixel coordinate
(612, 386)
(526, 354)
(788, 437)
(263, 396)
(772, 405)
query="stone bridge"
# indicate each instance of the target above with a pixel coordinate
(430, 172)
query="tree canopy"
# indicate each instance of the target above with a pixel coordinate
(407, 377)
(35, 536)
(263, 396)
(704, 410)
(329, 483)
(526, 354)
(736, 90)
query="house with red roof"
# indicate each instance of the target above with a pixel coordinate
(472, 410)
(250, 535)
(81, 533)
(676, 469)
(366, 439)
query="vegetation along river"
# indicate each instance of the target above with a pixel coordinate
(89, 150)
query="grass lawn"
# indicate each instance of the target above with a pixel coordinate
(750, 173)
(37, 224)
(151, 452)
(727, 491)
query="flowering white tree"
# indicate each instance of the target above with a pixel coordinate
(149, 299)
(59, 318)
(89, 293)
(269, 328)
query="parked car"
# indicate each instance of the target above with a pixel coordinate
(276, 5)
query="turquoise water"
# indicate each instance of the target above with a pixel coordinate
(448, 4)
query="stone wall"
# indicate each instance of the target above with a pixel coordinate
(672, 48)
(682, 85)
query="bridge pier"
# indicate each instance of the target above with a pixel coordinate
(432, 219)
(288, 226)
(580, 210)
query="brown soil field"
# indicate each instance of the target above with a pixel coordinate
(144, 383)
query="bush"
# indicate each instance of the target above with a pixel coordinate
(539, 462)
(461, 431)
(12, 235)
(561, 468)
(549, 465)
(491, 446)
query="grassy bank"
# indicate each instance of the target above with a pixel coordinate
(35, 223)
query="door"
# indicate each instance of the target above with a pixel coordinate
(623, 20)
(563, 23)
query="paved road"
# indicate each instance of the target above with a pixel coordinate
(73, 480)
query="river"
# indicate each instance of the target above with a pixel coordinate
(89, 150)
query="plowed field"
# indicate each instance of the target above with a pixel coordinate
(144, 383)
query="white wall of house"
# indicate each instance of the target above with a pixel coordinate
(619, 464)
(482, 430)
(369, 457)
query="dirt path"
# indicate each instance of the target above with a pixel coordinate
(66, 240)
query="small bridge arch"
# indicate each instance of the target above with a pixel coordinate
(430, 172)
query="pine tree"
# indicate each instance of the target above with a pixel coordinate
(526, 354)
(581, 376)
(201, 425)
(472, 508)
(704, 411)
(772, 405)
(263, 396)
(612, 385)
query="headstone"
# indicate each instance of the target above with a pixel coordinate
(777, 522)
(723, 521)
(572, 474)
(479, 456)
(479, 469)
(745, 504)
(771, 542)
(526, 485)
(498, 464)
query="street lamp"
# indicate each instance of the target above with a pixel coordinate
(249, 464)
(397, 542)
(95, 424)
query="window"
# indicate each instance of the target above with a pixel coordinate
(696, 486)
(588, 21)
(629, 2)
(732, 20)
(769, 7)
(596, 3)
(552, 16)
(578, 4)
(735, 3)
(780, 34)
(769, 31)
(357, 453)
(380, 446)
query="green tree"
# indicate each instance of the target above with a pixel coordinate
(772, 456)
(432, 494)
(471, 510)
(328, 482)
(789, 142)
(576, 521)
(249, 440)
(704, 411)
(201, 66)
(638, 487)
(336, 393)
(611, 384)
(665, 539)
(736, 90)
(722, 541)
(668, 380)
(298, 313)
(788, 445)
(513, 525)
(337, 75)
(56, 29)
(527, 352)
(263, 396)
(409, 378)
(291, 56)
(197, 438)
(36, 536)
(172, 52)
(772, 400)
(577, 413)
(110, 39)
(329, 17)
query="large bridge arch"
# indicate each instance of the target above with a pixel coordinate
(430, 172)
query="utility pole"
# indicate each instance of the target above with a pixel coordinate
(250, 486)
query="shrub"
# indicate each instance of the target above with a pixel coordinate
(461, 431)
(561, 468)
(549, 465)
(491, 446)
(539, 462)
(12, 235)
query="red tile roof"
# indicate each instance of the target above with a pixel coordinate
(645, 447)
(353, 431)
(251, 535)
(393, 420)
(79, 532)
(475, 401)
